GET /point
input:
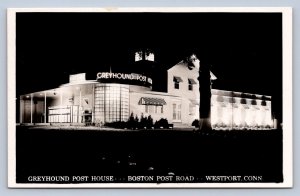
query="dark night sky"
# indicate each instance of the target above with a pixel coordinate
(244, 49)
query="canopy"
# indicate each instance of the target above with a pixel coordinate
(177, 79)
(151, 101)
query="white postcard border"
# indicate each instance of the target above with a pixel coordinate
(287, 97)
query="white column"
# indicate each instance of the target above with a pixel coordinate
(45, 108)
(31, 97)
(80, 110)
(80, 97)
(61, 105)
(93, 104)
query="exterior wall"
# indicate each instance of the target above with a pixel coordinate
(181, 70)
(74, 103)
(155, 112)
(185, 113)
(190, 98)
(190, 111)
(71, 96)
(228, 109)
(233, 110)
(36, 107)
(63, 104)
(98, 102)
(138, 109)
(111, 102)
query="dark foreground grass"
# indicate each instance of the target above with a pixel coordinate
(148, 153)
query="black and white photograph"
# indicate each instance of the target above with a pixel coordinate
(149, 97)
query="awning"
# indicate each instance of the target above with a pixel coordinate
(192, 81)
(151, 101)
(177, 79)
(195, 102)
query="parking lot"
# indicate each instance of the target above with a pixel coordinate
(92, 152)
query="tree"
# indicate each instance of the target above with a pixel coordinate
(136, 121)
(131, 121)
(204, 90)
(143, 122)
(149, 122)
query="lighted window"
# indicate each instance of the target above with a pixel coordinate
(149, 57)
(138, 56)
(152, 105)
(179, 112)
(159, 109)
(111, 103)
(146, 108)
(151, 108)
(174, 111)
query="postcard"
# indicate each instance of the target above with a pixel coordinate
(150, 97)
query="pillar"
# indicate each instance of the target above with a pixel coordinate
(80, 109)
(45, 109)
(93, 104)
(21, 112)
(61, 105)
(31, 100)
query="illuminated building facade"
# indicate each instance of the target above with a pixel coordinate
(114, 96)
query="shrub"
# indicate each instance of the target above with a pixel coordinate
(118, 124)
(195, 123)
(131, 122)
(163, 122)
(268, 127)
(149, 122)
(136, 121)
(143, 122)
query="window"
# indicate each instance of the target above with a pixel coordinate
(139, 56)
(176, 81)
(151, 108)
(111, 102)
(190, 87)
(149, 56)
(191, 82)
(179, 112)
(176, 111)
(157, 109)
(152, 104)
(176, 85)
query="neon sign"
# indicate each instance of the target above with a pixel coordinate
(132, 78)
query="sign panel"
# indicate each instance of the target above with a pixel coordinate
(124, 78)
(77, 77)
